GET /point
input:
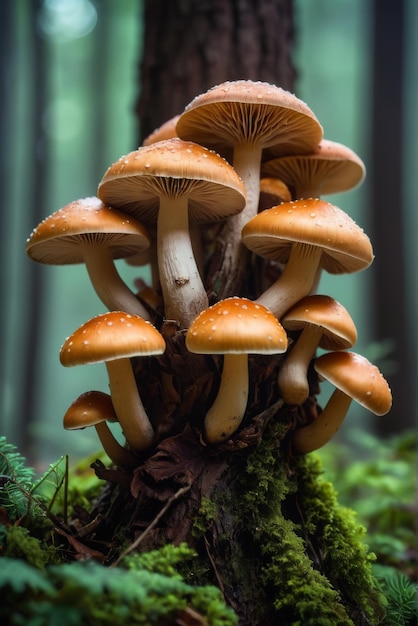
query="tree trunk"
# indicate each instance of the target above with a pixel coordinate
(190, 46)
(266, 531)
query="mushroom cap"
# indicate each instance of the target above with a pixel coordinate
(355, 376)
(89, 409)
(236, 326)
(253, 112)
(273, 191)
(330, 168)
(57, 239)
(338, 329)
(173, 168)
(315, 222)
(165, 131)
(110, 336)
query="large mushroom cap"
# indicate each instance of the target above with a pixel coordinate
(173, 168)
(255, 112)
(337, 327)
(314, 222)
(236, 326)
(330, 168)
(355, 376)
(111, 336)
(59, 238)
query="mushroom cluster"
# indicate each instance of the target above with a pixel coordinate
(223, 202)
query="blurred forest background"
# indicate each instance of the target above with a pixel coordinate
(70, 82)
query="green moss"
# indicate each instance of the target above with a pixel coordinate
(301, 594)
(169, 560)
(298, 592)
(297, 553)
(19, 543)
(339, 540)
(207, 514)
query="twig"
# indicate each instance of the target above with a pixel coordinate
(215, 569)
(154, 522)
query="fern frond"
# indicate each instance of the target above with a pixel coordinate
(13, 464)
(401, 596)
(18, 576)
(21, 492)
(16, 478)
(89, 593)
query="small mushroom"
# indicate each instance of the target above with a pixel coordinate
(234, 327)
(354, 378)
(324, 323)
(171, 182)
(87, 231)
(273, 191)
(330, 168)
(167, 130)
(95, 408)
(113, 338)
(246, 117)
(306, 234)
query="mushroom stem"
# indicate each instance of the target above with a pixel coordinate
(117, 454)
(109, 286)
(296, 280)
(230, 275)
(183, 291)
(292, 379)
(319, 432)
(128, 405)
(227, 411)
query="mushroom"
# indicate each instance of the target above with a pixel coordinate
(88, 231)
(113, 338)
(306, 234)
(246, 117)
(354, 378)
(273, 191)
(174, 180)
(324, 323)
(165, 131)
(234, 327)
(95, 408)
(330, 168)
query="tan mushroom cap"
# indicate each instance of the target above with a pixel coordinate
(165, 131)
(173, 168)
(331, 168)
(338, 329)
(89, 409)
(355, 376)
(255, 112)
(95, 408)
(236, 326)
(111, 336)
(314, 222)
(57, 239)
(273, 191)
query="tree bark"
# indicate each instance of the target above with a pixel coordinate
(190, 46)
